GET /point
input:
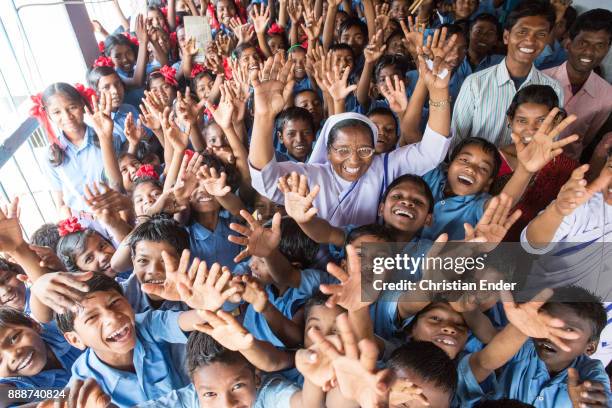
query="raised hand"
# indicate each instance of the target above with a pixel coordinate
(403, 392)
(436, 49)
(172, 133)
(298, 200)
(252, 292)
(224, 43)
(187, 179)
(61, 291)
(312, 26)
(315, 365)
(260, 18)
(189, 49)
(355, 366)
(11, 237)
(225, 329)
(259, 241)
(395, 93)
(336, 83)
(294, 10)
(188, 111)
(48, 258)
(495, 222)
(106, 203)
(536, 323)
(347, 293)
(243, 32)
(575, 192)
(413, 36)
(587, 394)
(207, 289)
(141, 30)
(12, 209)
(101, 116)
(174, 274)
(134, 132)
(269, 83)
(375, 48)
(148, 118)
(86, 394)
(214, 183)
(382, 16)
(534, 155)
(224, 111)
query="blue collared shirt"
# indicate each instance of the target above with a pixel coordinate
(213, 246)
(450, 213)
(81, 165)
(551, 56)
(527, 379)
(156, 373)
(119, 120)
(54, 378)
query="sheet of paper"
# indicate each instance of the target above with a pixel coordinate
(198, 28)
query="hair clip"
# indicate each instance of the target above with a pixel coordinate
(69, 226)
(147, 171)
(103, 61)
(169, 75)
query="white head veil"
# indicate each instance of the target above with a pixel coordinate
(319, 152)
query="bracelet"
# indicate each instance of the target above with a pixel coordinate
(439, 104)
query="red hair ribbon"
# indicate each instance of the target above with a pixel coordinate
(148, 171)
(69, 226)
(169, 75)
(38, 111)
(131, 38)
(197, 68)
(215, 24)
(101, 47)
(87, 94)
(227, 69)
(103, 61)
(275, 29)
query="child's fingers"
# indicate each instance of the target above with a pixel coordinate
(325, 346)
(223, 279)
(242, 241)
(512, 219)
(368, 354)
(349, 342)
(169, 263)
(241, 229)
(573, 379)
(337, 272)
(156, 289)
(241, 256)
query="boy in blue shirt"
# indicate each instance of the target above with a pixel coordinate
(550, 369)
(128, 353)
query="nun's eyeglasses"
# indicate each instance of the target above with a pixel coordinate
(345, 152)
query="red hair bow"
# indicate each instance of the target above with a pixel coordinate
(38, 111)
(189, 153)
(131, 38)
(147, 170)
(197, 68)
(169, 74)
(103, 61)
(275, 29)
(86, 93)
(68, 226)
(101, 47)
(173, 39)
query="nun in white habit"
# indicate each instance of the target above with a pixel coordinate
(352, 178)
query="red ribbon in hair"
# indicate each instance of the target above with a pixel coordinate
(189, 153)
(68, 226)
(169, 75)
(86, 93)
(147, 170)
(131, 38)
(101, 47)
(227, 69)
(197, 68)
(275, 29)
(103, 61)
(212, 15)
(173, 39)
(38, 111)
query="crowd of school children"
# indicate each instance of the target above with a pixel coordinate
(213, 211)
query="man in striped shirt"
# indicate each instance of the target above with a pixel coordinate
(480, 109)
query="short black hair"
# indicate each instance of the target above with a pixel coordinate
(382, 110)
(503, 403)
(10, 316)
(592, 20)
(70, 246)
(454, 28)
(97, 283)
(333, 132)
(570, 16)
(203, 350)
(585, 304)
(94, 75)
(537, 94)
(342, 46)
(418, 180)
(485, 145)
(12, 267)
(379, 231)
(317, 299)
(293, 113)
(212, 161)
(160, 229)
(294, 244)
(354, 22)
(118, 39)
(46, 235)
(489, 18)
(427, 361)
(529, 8)
(399, 62)
(240, 48)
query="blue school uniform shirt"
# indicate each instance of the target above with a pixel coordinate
(469, 390)
(526, 378)
(54, 378)
(302, 84)
(288, 303)
(81, 165)
(450, 213)
(498, 318)
(119, 118)
(213, 246)
(551, 56)
(133, 96)
(156, 373)
(274, 391)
